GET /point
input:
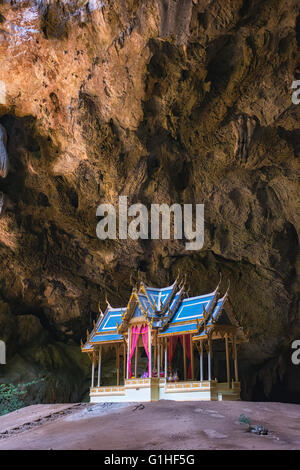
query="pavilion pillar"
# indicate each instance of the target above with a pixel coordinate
(201, 361)
(99, 366)
(118, 364)
(124, 361)
(236, 374)
(93, 371)
(227, 360)
(150, 351)
(155, 353)
(136, 361)
(209, 359)
(192, 356)
(166, 358)
(128, 352)
(158, 359)
(184, 356)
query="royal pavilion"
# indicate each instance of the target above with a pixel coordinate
(167, 346)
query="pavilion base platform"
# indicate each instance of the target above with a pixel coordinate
(154, 389)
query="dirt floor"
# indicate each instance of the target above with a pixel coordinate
(154, 426)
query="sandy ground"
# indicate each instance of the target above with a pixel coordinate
(163, 425)
(30, 414)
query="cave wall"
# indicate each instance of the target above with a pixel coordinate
(162, 101)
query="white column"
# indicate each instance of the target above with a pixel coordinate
(99, 366)
(93, 372)
(136, 361)
(158, 360)
(128, 351)
(209, 366)
(209, 359)
(150, 350)
(166, 358)
(201, 361)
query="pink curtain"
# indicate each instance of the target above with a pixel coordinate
(134, 339)
(188, 352)
(144, 332)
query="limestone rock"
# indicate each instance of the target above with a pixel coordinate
(171, 101)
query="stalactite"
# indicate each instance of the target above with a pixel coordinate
(3, 153)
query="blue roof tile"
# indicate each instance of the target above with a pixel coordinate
(192, 308)
(182, 315)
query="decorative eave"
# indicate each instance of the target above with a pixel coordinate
(133, 300)
(214, 320)
(229, 310)
(101, 316)
(215, 298)
(86, 348)
(234, 328)
(166, 320)
(144, 291)
(171, 296)
(202, 324)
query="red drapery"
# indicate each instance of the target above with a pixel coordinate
(172, 346)
(188, 352)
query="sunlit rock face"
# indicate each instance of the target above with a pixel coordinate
(171, 101)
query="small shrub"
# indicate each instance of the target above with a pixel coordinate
(244, 419)
(11, 396)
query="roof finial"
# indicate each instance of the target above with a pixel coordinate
(106, 300)
(226, 293)
(219, 283)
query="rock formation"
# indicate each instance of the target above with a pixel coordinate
(3, 153)
(172, 101)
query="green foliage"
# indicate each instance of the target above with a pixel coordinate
(244, 419)
(11, 396)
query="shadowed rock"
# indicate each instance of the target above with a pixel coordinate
(3, 153)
